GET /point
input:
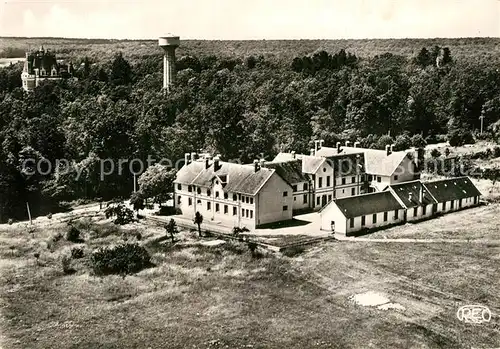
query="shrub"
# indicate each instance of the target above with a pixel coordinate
(138, 236)
(168, 211)
(10, 221)
(402, 142)
(122, 259)
(252, 246)
(49, 216)
(73, 235)
(435, 153)
(496, 152)
(76, 252)
(418, 141)
(66, 265)
(293, 251)
(123, 214)
(457, 137)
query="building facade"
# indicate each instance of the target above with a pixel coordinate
(231, 194)
(42, 65)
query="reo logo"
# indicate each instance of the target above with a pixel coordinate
(474, 314)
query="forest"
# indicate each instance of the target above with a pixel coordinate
(239, 104)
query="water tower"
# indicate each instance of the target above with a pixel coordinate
(169, 44)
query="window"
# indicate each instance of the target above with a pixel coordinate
(225, 209)
(216, 194)
(362, 178)
(396, 177)
(190, 202)
(179, 199)
(329, 198)
(374, 218)
(415, 211)
(209, 206)
(317, 201)
(327, 181)
(285, 193)
(305, 186)
(305, 199)
(379, 179)
(198, 202)
(247, 199)
(370, 178)
(251, 213)
(247, 213)
(363, 221)
(353, 191)
(198, 190)
(444, 206)
(226, 196)
(235, 211)
(235, 197)
(324, 169)
(353, 180)
(209, 192)
(385, 216)
(343, 181)
(251, 201)
(242, 198)
(190, 189)
(351, 223)
(424, 209)
(294, 198)
(396, 214)
(343, 191)
(285, 208)
(179, 186)
(242, 212)
(320, 182)
(452, 204)
(294, 188)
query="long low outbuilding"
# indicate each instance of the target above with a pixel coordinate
(399, 203)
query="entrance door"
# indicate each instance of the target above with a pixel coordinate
(323, 200)
(332, 223)
(475, 200)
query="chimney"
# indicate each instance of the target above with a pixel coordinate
(262, 162)
(338, 147)
(321, 141)
(313, 152)
(356, 144)
(216, 162)
(392, 148)
(347, 143)
(256, 165)
(193, 156)
(315, 146)
(187, 158)
(207, 163)
(388, 149)
(293, 154)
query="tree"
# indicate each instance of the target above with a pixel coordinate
(435, 153)
(402, 142)
(172, 229)
(423, 58)
(137, 201)
(447, 152)
(157, 183)
(383, 141)
(418, 141)
(121, 71)
(198, 220)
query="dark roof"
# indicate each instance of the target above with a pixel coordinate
(347, 164)
(452, 189)
(239, 178)
(413, 189)
(290, 171)
(362, 205)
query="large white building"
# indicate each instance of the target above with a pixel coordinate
(232, 195)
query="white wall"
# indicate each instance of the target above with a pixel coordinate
(405, 171)
(298, 197)
(380, 221)
(420, 213)
(271, 201)
(332, 213)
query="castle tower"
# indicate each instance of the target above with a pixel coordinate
(168, 44)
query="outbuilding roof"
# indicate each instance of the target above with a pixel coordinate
(366, 204)
(239, 178)
(452, 189)
(413, 194)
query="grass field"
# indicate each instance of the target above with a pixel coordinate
(220, 297)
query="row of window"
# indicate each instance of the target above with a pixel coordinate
(244, 212)
(343, 181)
(374, 219)
(304, 187)
(243, 198)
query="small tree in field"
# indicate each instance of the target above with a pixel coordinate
(172, 229)
(157, 183)
(137, 201)
(198, 219)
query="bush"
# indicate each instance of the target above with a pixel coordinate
(122, 259)
(76, 252)
(435, 153)
(293, 251)
(66, 265)
(168, 211)
(138, 236)
(123, 214)
(496, 152)
(457, 137)
(49, 216)
(73, 235)
(10, 221)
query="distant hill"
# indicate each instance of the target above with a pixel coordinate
(99, 49)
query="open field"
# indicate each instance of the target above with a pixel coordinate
(220, 297)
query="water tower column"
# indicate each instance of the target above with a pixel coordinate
(169, 44)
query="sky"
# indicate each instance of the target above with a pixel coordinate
(251, 19)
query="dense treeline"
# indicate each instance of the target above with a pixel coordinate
(236, 106)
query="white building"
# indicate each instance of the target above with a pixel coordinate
(335, 176)
(416, 198)
(382, 167)
(362, 212)
(231, 194)
(453, 194)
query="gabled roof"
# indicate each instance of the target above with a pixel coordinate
(367, 204)
(310, 164)
(290, 171)
(347, 164)
(452, 189)
(413, 189)
(241, 179)
(377, 162)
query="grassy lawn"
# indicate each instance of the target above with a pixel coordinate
(220, 297)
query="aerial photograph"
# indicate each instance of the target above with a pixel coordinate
(228, 174)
